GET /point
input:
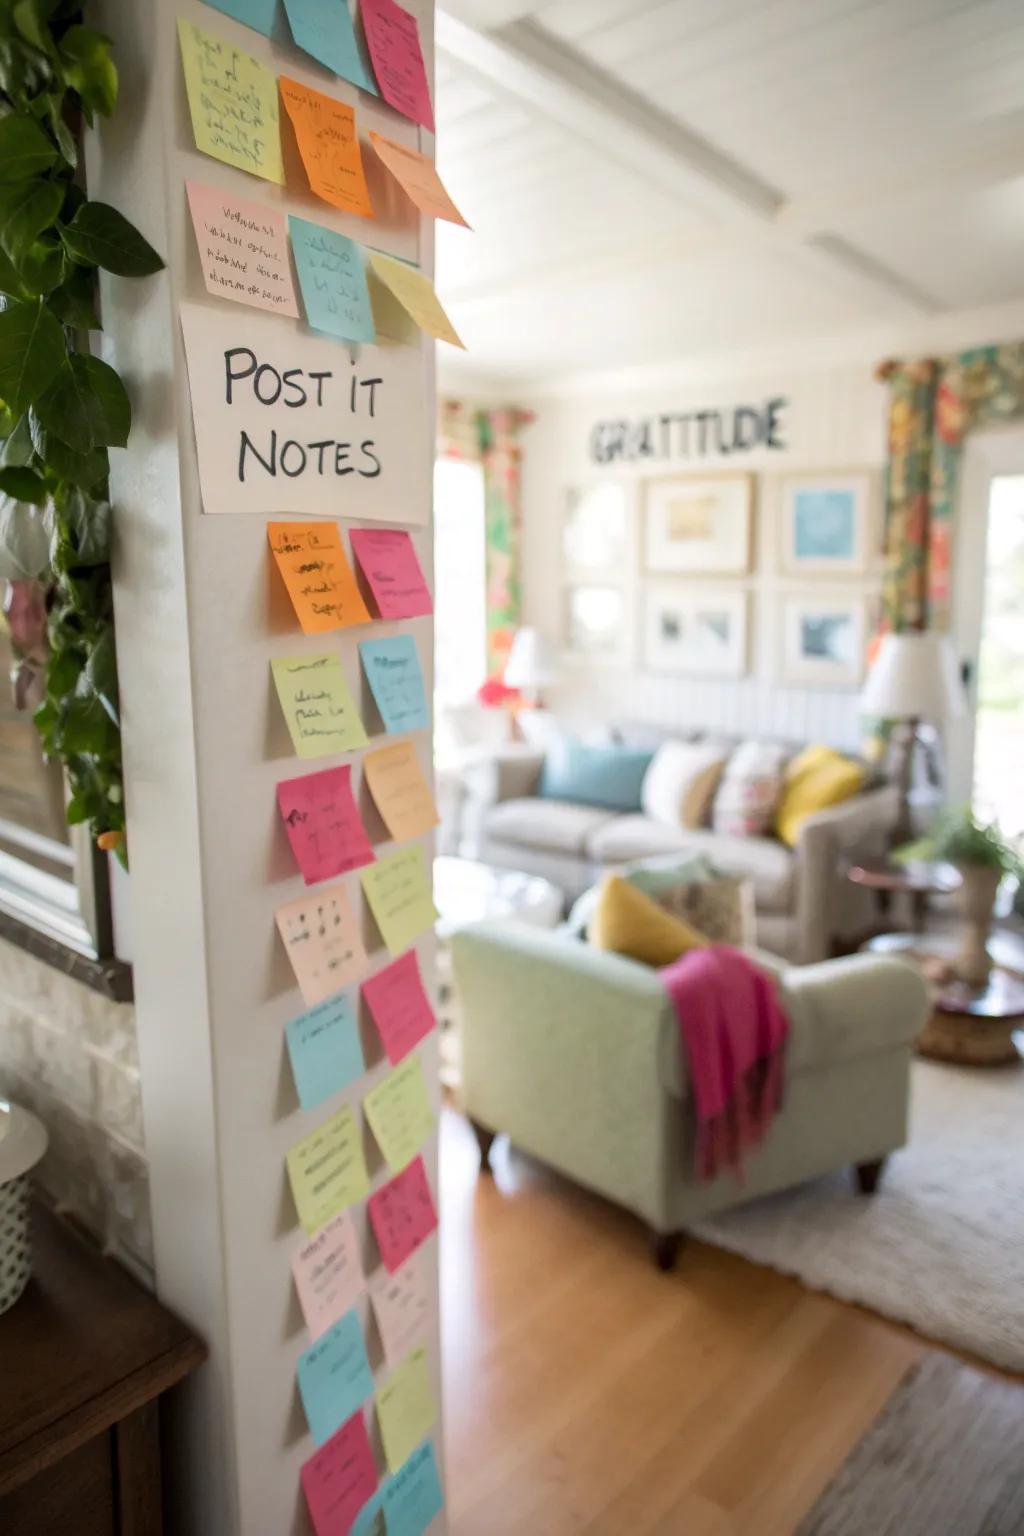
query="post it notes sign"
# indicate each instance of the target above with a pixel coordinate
(399, 1006)
(418, 177)
(333, 282)
(338, 1479)
(398, 892)
(335, 1378)
(328, 1274)
(327, 1171)
(321, 937)
(415, 292)
(387, 558)
(317, 705)
(243, 247)
(232, 100)
(399, 1113)
(405, 1408)
(322, 822)
(325, 1050)
(392, 669)
(324, 29)
(316, 572)
(393, 39)
(402, 1215)
(325, 132)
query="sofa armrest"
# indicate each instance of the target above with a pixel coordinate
(858, 827)
(511, 774)
(880, 1001)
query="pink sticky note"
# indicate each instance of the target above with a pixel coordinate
(243, 247)
(393, 39)
(328, 1274)
(323, 824)
(399, 1006)
(401, 1305)
(402, 1215)
(339, 1478)
(388, 560)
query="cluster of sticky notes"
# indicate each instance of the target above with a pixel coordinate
(322, 584)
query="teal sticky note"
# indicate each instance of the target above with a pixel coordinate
(323, 29)
(334, 1377)
(325, 1050)
(333, 281)
(258, 14)
(413, 1497)
(392, 670)
(370, 1519)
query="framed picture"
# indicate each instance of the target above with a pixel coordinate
(695, 632)
(700, 525)
(594, 620)
(594, 531)
(822, 640)
(824, 523)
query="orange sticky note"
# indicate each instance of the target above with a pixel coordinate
(417, 175)
(325, 131)
(320, 581)
(400, 791)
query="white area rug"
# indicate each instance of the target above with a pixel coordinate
(941, 1244)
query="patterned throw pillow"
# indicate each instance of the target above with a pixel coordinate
(749, 793)
(721, 908)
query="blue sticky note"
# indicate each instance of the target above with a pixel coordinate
(370, 1519)
(323, 28)
(325, 1050)
(334, 1377)
(392, 670)
(333, 281)
(258, 14)
(413, 1497)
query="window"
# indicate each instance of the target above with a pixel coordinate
(460, 583)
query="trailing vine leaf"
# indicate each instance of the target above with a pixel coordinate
(23, 484)
(74, 301)
(18, 447)
(26, 209)
(31, 350)
(42, 267)
(104, 237)
(89, 69)
(25, 151)
(86, 406)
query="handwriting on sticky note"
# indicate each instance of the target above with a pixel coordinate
(399, 1006)
(401, 1305)
(417, 176)
(323, 28)
(327, 1171)
(387, 558)
(392, 669)
(338, 1479)
(413, 1497)
(328, 1274)
(325, 131)
(243, 248)
(232, 99)
(399, 1113)
(333, 282)
(316, 572)
(393, 39)
(415, 292)
(323, 825)
(398, 892)
(317, 706)
(402, 1215)
(405, 1408)
(324, 1049)
(400, 791)
(321, 937)
(334, 1377)
(258, 14)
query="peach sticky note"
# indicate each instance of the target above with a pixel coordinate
(402, 1215)
(399, 1006)
(417, 175)
(399, 1113)
(320, 581)
(328, 1274)
(339, 1478)
(243, 247)
(398, 892)
(415, 293)
(401, 1305)
(232, 100)
(405, 1408)
(393, 39)
(325, 131)
(387, 558)
(400, 791)
(323, 825)
(327, 1170)
(321, 937)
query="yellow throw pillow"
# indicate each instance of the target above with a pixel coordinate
(630, 923)
(818, 777)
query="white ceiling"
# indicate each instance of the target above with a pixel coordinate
(652, 178)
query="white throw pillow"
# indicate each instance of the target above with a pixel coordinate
(680, 784)
(750, 789)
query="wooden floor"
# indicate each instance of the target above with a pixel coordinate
(586, 1392)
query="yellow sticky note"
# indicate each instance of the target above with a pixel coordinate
(400, 791)
(320, 581)
(319, 709)
(399, 1113)
(417, 175)
(399, 894)
(325, 132)
(327, 1170)
(415, 292)
(232, 99)
(406, 1410)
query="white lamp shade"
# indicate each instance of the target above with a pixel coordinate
(532, 661)
(914, 677)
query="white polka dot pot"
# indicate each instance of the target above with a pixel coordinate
(22, 1144)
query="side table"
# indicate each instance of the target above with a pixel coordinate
(918, 880)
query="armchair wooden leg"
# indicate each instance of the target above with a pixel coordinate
(666, 1246)
(869, 1175)
(485, 1141)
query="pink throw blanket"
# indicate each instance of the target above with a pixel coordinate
(733, 1033)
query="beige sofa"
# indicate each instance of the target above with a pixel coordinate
(804, 904)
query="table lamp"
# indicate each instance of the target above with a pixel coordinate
(532, 665)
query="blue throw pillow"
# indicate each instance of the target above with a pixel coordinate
(608, 776)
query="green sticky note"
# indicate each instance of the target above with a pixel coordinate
(327, 1170)
(398, 891)
(319, 709)
(406, 1410)
(232, 99)
(399, 1113)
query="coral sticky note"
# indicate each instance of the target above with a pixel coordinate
(324, 1049)
(387, 558)
(335, 1378)
(413, 1497)
(323, 28)
(402, 1215)
(316, 572)
(398, 892)
(327, 1170)
(339, 1478)
(321, 937)
(322, 822)
(401, 1305)
(405, 1408)
(399, 1006)
(317, 705)
(328, 1274)
(325, 131)
(243, 247)
(417, 175)
(393, 39)
(400, 790)
(415, 292)
(232, 99)
(399, 1113)
(258, 14)
(333, 282)
(392, 670)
